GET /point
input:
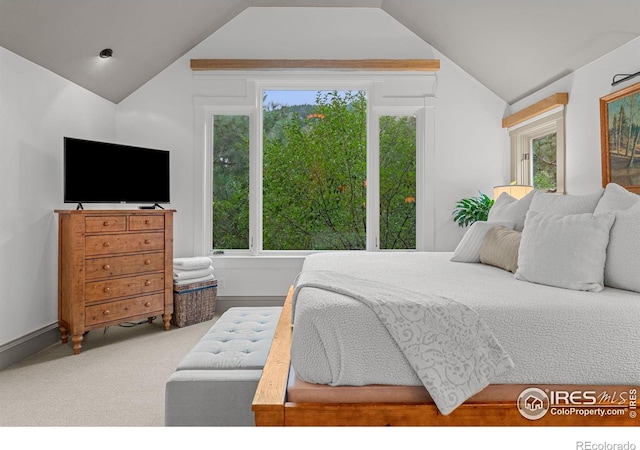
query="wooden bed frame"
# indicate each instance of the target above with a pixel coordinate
(271, 407)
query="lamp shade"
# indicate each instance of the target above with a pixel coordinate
(515, 190)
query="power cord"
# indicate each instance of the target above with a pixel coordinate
(133, 324)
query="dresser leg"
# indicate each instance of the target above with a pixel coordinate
(77, 343)
(167, 321)
(64, 334)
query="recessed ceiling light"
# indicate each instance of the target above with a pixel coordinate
(106, 53)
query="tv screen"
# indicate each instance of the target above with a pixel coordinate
(100, 172)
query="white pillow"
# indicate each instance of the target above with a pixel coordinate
(509, 209)
(565, 251)
(468, 250)
(616, 197)
(562, 205)
(622, 268)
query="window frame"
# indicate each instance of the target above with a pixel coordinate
(522, 137)
(387, 94)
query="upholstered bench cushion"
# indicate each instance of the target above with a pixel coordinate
(239, 339)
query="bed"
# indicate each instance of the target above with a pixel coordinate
(575, 354)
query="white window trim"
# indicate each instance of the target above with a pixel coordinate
(522, 136)
(387, 94)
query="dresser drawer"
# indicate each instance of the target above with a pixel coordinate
(121, 287)
(141, 223)
(124, 309)
(123, 243)
(123, 265)
(105, 224)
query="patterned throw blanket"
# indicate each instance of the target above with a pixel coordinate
(450, 347)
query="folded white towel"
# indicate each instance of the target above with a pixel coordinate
(179, 274)
(193, 263)
(193, 280)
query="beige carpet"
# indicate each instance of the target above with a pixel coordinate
(117, 380)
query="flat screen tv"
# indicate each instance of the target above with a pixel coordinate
(101, 172)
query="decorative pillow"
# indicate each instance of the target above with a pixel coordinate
(468, 250)
(563, 205)
(622, 268)
(565, 251)
(500, 248)
(616, 197)
(508, 208)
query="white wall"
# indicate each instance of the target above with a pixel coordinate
(585, 87)
(37, 109)
(469, 144)
(469, 140)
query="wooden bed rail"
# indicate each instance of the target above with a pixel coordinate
(269, 400)
(271, 408)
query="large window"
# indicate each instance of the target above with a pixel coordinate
(314, 169)
(314, 163)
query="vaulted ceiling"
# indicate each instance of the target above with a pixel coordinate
(513, 47)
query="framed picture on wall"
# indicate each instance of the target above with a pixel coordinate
(620, 136)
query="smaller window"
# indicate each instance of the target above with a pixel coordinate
(397, 182)
(537, 153)
(230, 182)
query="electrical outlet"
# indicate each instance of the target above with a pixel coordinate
(221, 282)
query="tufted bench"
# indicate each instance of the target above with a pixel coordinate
(215, 382)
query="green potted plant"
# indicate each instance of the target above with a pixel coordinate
(473, 209)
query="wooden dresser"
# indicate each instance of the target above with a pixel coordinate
(114, 266)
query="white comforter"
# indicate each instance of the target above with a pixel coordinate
(553, 335)
(449, 346)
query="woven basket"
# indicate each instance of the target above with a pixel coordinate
(194, 302)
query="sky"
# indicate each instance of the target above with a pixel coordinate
(291, 98)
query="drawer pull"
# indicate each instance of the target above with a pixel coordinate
(106, 267)
(147, 241)
(147, 262)
(147, 304)
(147, 222)
(147, 283)
(106, 312)
(106, 244)
(107, 290)
(105, 223)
